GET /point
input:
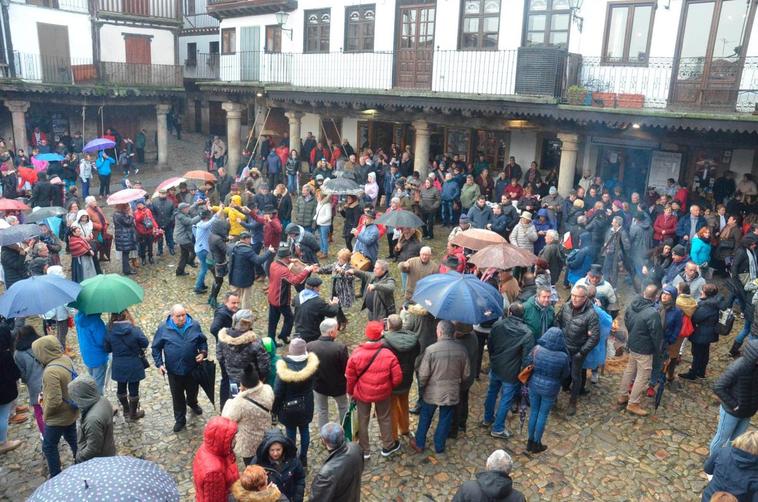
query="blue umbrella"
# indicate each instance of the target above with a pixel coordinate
(98, 144)
(459, 297)
(50, 157)
(109, 478)
(37, 295)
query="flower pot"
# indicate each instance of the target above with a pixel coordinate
(630, 100)
(576, 98)
(604, 99)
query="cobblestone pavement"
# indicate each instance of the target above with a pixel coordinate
(599, 454)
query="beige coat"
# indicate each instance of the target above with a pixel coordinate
(252, 421)
(417, 271)
(444, 366)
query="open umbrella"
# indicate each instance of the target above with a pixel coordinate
(205, 376)
(459, 297)
(502, 256)
(110, 478)
(341, 186)
(49, 157)
(37, 295)
(522, 406)
(400, 218)
(170, 183)
(12, 205)
(18, 233)
(477, 238)
(199, 175)
(108, 293)
(125, 196)
(42, 213)
(98, 144)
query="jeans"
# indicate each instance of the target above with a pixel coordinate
(168, 235)
(577, 379)
(323, 232)
(728, 429)
(105, 184)
(428, 224)
(321, 402)
(51, 438)
(200, 281)
(98, 373)
(403, 279)
(541, 406)
(447, 212)
(5, 413)
(132, 387)
(443, 426)
(85, 189)
(145, 245)
(507, 392)
(292, 183)
(305, 439)
(274, 313)
(700, 355)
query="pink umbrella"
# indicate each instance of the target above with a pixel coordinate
(39, 165)
(170, 183)
(126, 196)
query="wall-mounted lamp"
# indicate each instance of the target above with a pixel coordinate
(575, 6)
(281, 20)
(635, 126)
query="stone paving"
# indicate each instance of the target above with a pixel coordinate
(599, 454)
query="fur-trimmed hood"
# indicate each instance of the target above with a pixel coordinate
(231, 336)
(297, 371)
(417, 309)
(270, 494)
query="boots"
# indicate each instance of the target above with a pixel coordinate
(134, 263)
(571, 410)
(135, 413)
(636, 409)
(735, 350)
(530, 445)
(124, 404)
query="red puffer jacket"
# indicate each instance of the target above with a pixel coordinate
(377, 382)
(215, 469)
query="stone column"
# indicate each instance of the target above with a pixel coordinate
(233, 122)
(567, 169)
(294, 120)
(260, 116)
(18, 109)
(189, 116)
(421, 147)
(205, 117)
(161, 111)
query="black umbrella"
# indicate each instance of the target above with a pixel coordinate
(400, 218)
(661, 384)
(341, 186)
(43, 213)
(205, 376)
(18, 233)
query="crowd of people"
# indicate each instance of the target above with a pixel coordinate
(662, 254)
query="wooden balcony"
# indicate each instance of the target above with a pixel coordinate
(234, 8)
(159, 11)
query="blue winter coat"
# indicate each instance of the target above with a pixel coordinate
(90, 330)
(450, 191)
(734, 471)
(672, 325)
(542, 227)
(551, 364)
(177, 348)
(480, 217)
(684, 225)
(597, 356)
(242, 262)
(500, 186)
(700, 251)
(367, 242)
(104, 165)
(579, 259)
(274, 163)
(499, 224)
(126, 342)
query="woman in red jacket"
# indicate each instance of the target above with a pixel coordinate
(146, 227)
(664, 226)
(214, 469)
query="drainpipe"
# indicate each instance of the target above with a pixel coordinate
(95, 37)
(6, 32)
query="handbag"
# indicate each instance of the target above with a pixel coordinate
(524, 374)
(726, 322)
(294, 406)
(359, 261)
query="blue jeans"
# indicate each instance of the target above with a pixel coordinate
(168, 235)
(5, 413)
(443, 427)
(305, 439)
(200, 282)
(323, 232)
(292, 183)
(447, 212)
(98, 373)
(85, 189)
(745, 331)
(728, 429)
(50, 439)
(541, 406)
(403, 279)
(505, 390)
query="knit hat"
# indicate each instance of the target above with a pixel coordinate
(250, 377)
(374, 330)
(553, 191)
(617, 203)
(679, 250)
(463, 219)
(297, 347)
(246, 235)
(671, 290)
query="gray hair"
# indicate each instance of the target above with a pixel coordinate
(395, 200)
(327, 325)
(582, 220)
(176, 307)
(425, 249)
(243, 315)
(552, 234)
(446, 329)
(333, 435)
(383, 264)
(394, 322)
(500, 461)
(619, 220)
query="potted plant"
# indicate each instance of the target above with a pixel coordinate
(576, 94)
(604, 99)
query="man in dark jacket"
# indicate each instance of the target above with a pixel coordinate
(552, 254)
(493, 484)
(311, 309)
(163, 212)
(13, 261)
(581, 327)
(178, 346)
(379, 297)
(42, 192)
(242, 262)
(330, 375)
(404, 344)
(339, 479)
(737, 388)
(223, 183)
(643, 323)
(509, 344)
(95, 437)
(182, 237)
(222, 319)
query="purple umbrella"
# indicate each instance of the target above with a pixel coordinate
(98, 144)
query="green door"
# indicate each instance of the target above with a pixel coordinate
(250, 53)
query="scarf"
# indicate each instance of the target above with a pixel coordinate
(78, 246)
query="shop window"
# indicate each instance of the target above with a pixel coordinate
(317, 23)
(628, 27)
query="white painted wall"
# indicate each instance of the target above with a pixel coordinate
(113, 48)
(202, 41)
(23, 28)
(742, 162)
(350, 131)
(523, 146)
(310, 123)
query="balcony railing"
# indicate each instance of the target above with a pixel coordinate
(202, 66)
(163, 9)
(69, 5)
(78, 71)
(199, 21)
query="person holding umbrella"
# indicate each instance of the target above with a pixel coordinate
(125, 235)
(104, 165)
(179, 344)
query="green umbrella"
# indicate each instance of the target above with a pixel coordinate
(108, 293)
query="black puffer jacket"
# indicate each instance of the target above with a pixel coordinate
(14, 265)
(125, 234)
(163, 212)
(404, 344)
(643, 322)
(737, 387)
(332, 356)
(705, 320)
(488, 486)
(310, 313)
(581, 328)
(288, 474)
(509, 344)
(236, 350)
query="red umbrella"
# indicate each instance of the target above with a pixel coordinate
(200, 175)
(502, 256)
(126, 196)
(12, 205)
(477, 238)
